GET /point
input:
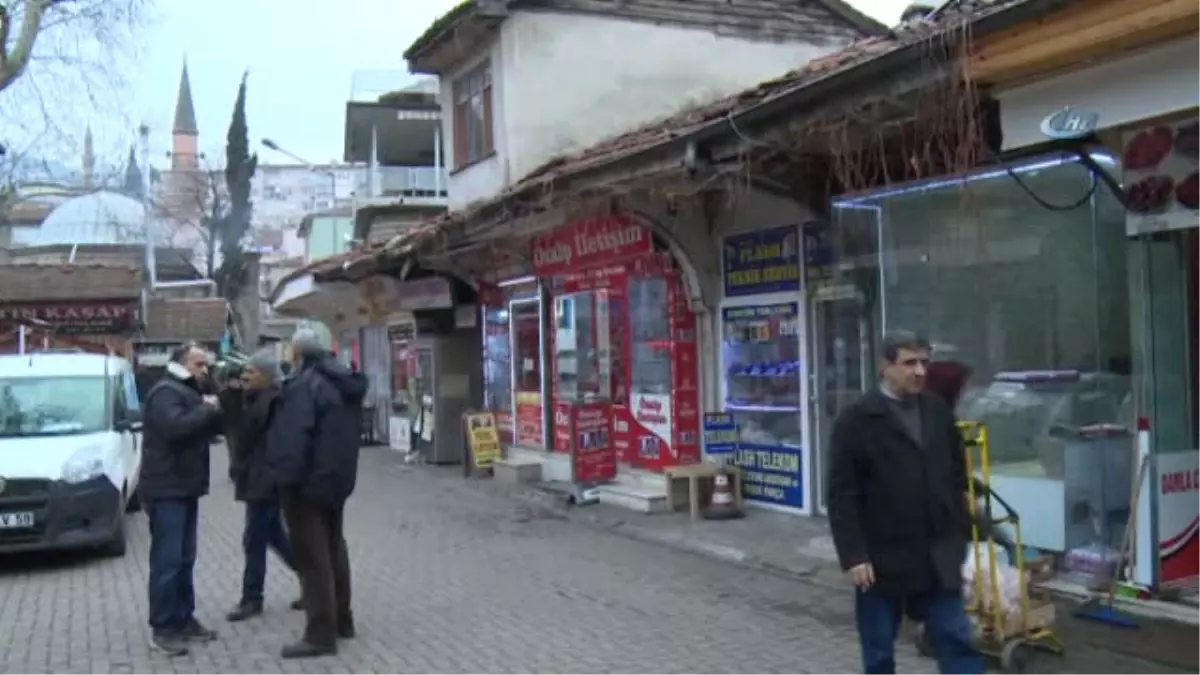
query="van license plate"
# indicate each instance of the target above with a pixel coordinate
(15, 521)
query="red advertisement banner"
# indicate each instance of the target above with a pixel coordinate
(594, 459)
(587, 243)
(529, 419)
(562, 426)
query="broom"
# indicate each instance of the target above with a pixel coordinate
(1101, 609)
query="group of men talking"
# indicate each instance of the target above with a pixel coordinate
(293, 445)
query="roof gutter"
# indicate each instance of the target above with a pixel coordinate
(787, 102)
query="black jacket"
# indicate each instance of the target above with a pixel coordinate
(177, 430)
(248, 448)
(313, 439)
(895, 504)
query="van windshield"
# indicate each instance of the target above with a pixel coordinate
(52, 406)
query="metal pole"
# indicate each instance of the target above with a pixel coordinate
(21, 339)
(151, 263)
(437, 160)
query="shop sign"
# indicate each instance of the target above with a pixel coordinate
(1162, 183)
(593, 456)
(75, 317)
(819, 256)
(483, 439)
(720, 433)
(770, 473)
(419, 294)
(1069, 123)
(767, 261)
(1178, 516)
(585, 243)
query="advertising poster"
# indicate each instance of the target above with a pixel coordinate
(767, 261)
(762, 368)
(594, 459)
(1160, 164)
(529, 419)
(685, 423)
(400, 433)
(1178, 517)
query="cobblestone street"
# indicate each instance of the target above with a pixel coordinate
(449, 577)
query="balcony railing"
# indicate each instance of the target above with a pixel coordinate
(424, 183)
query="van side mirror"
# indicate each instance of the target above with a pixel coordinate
(128, 420)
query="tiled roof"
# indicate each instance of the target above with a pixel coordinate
(202, 319)
(32, 282)
(682, 124)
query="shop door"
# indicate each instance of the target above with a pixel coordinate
(841, 366)
(525, 331)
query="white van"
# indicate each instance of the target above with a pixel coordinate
(70, 451)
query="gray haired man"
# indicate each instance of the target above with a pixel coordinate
(313, 454)
(254, 485)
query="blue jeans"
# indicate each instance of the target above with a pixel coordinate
(878, 617)
(173, 525)
(264, 530)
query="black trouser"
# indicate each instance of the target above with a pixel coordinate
(323, 565)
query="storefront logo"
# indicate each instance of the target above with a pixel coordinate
(75, 317)
(588, 243)
(1070, 123)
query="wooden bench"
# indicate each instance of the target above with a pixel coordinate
(693, 474)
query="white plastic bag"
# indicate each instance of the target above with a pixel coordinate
(1008, 580)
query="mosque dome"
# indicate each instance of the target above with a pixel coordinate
(101, 217)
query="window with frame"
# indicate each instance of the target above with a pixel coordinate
(473, 116)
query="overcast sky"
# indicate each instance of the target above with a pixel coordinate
(301, 55)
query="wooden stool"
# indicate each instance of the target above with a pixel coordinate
(694, 473)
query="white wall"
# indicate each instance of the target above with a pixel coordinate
(563, 82)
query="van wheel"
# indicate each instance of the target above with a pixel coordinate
(115, 548)
(133, 504)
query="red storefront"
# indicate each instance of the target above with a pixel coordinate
(618, 346)
(100, 326)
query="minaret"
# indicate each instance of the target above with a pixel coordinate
(89, 160)
(134, 185)
(184, 135)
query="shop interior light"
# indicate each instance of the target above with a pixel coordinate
(1027, 167)
(517, 281)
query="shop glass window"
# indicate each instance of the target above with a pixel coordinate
(526, 347)
(582, 358)
(402, 379)
(760, 355)
(497, 364)
(1020, 274)
(651, 336)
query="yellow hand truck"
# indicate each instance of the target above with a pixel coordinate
(1012, 637)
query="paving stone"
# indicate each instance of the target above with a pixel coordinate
(450, 575)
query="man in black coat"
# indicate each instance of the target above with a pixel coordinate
(312, 453)
(898, 511)
(253, 484)
(179, 423)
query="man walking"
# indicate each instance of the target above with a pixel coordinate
(898, 511)
(260, 382)
(179, 423)
(312, 452)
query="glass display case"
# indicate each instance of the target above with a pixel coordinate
(650, 337)
(760, 359)
(582, 353)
